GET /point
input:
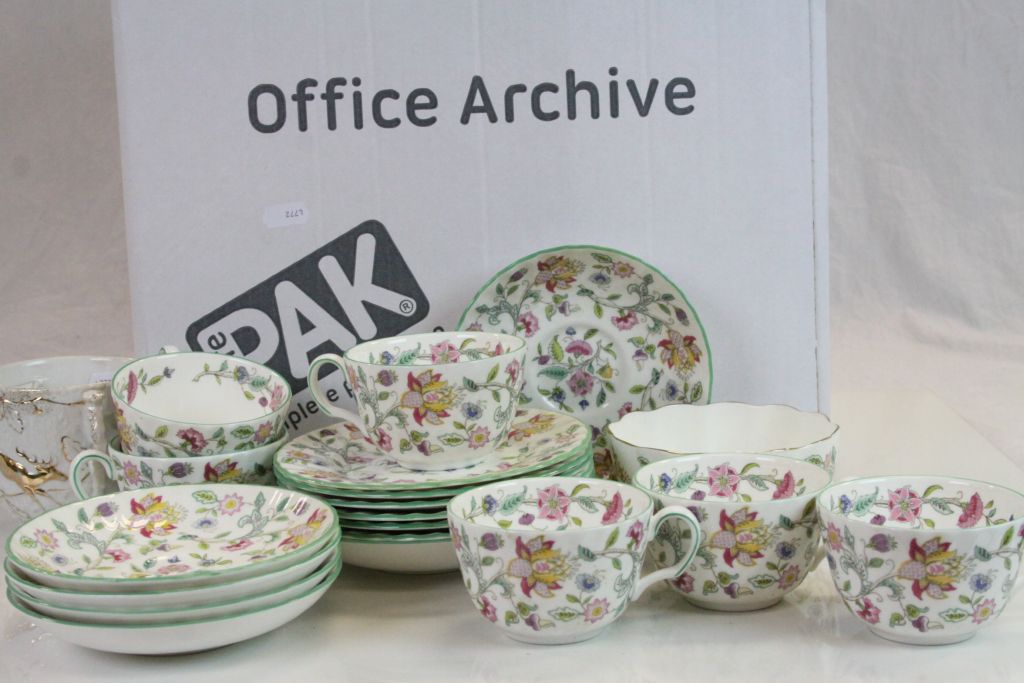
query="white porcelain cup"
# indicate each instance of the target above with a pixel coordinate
(50, 409)
(186, 404)
(431, 401)
(554, 560)
(123, 471)
(758, 520)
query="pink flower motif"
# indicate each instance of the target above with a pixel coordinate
(118, 555)
(133, 387)
(383, 440)
(972, 513)
(625, 322)
(613, 511)
(904, 505)
(580, 382)
(983, 611)
(475, 327)
(578, 347)
(194, 438)
(172, 569)
(623, 269)
(627, 407)
(231, 504)
(456, 538)
(553, 503)
(512, 370)
(276, 396)
(684, 583)
(790, 575)
(529, 323)
(479, 437)
(595, 610)
(785, 488)
(723, 480)
(870, 613)
(444, 352)
(636, 532)
(834, 537)
(240, 544)
(489, 611)
(46, 539)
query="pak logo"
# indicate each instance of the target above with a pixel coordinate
(354, 288)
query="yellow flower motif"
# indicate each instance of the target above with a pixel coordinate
(539, 566)
(541, 422)
(557, 272)
(429, 397)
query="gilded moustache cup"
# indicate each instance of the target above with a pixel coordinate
(639, 438)
(432, 401)
(186, 404)
(124, 472)
(554, 560)
(924, 560)
(758, 521)
(50, 409)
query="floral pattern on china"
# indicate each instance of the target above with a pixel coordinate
(341, 455)
(540, 568)
(904, 506)
(610, 333)
(402, 408)
(159, 533)
(758, 554)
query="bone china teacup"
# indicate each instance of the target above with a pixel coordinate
(759, 523)
(553, 560)
(431, 401)
(925, 560)
(124, 472)
(186, 404)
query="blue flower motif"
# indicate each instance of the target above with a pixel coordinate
(490, 504)
(600, 278)
(584, 404)
(59, 560)
(981, 582)
(571, 331)
(471, 410)
(665, 481)
(387, 358)
(785, 550)
(588, 583)
(241, 374)
(558, 395)
(845, 504)
(671, 389)
(205, 523)
(174, 559)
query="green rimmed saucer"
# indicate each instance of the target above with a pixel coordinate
(438, 495)
(608, 334)
(348, 516)
(372, 527)
(338, 458)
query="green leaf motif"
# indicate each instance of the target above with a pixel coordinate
(510, 503)
(587, 554)
(896, 619)
(913, 611)
(598, 310)
(205, 496)
(556, 351)
(589, 333)
(934, 488)
(487, 561)
(616, 563)
(982, 554)
(160, 432)
(451, 439)
(243, 432)
(504, 523)
(864, 503)
(761, 580)
(555, 372)
(954, 615)
(576, 489)
(563, 614)
(493, 373)
(749, 466)
(612, 537)
(876, 562)
(82, 517)
(637, 389)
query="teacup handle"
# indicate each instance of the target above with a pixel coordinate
(92, 418)
(83, 459)
(318, 393)
(682, 514)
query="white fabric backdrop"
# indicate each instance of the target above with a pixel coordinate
(927, 196)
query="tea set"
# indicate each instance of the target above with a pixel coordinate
(493, 450)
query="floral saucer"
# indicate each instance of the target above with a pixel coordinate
(340, 458)
(184, 535)
(608, 334)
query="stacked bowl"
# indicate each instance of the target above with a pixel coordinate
(185, 418)
(174, 569)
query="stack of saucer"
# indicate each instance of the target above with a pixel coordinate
(173, 569)
(393, 518)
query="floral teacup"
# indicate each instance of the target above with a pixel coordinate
(757, 515)
(126, 472)
(923, 560)
(431, 401)
(186, 404)
(555, 560)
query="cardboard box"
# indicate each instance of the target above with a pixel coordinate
(300, 176)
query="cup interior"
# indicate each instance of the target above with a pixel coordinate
(435, 348)
(58, 372)
(732, 477)
(200, 388)
(550, 504)
(912, 502)
(722, 427)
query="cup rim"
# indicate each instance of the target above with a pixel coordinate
(123, 360)
(536, 481)
(505, 352)
(822, 507)
(610, 428)
(122, 403)
(815, 493)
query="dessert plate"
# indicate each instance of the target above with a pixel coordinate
(187, 535)
(607, 333)
(339, 457)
